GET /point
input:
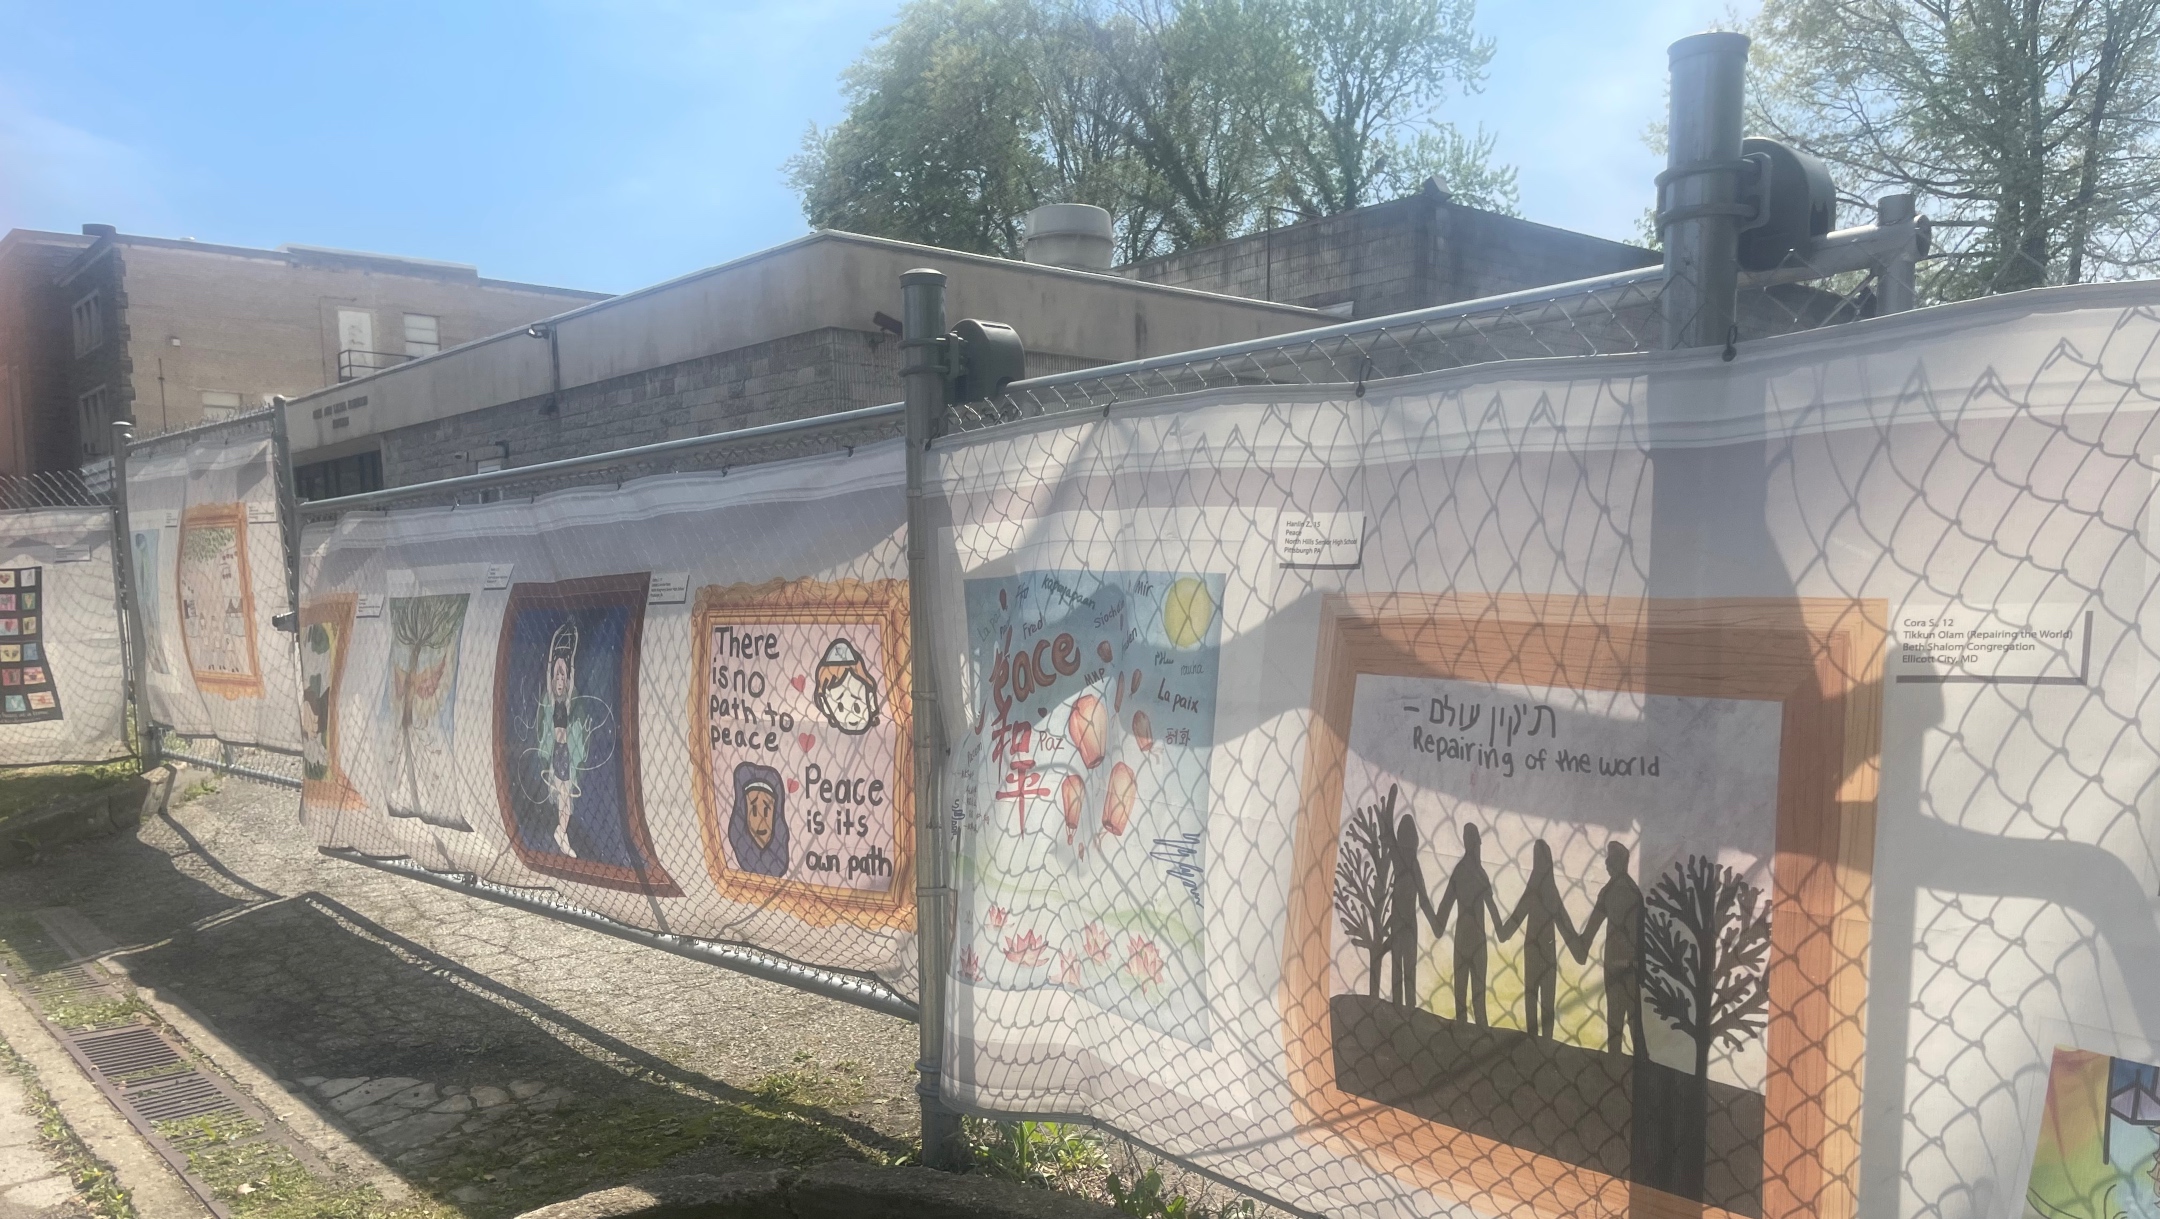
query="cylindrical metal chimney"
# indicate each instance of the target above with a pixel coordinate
(1699, 208)
(1075, 235)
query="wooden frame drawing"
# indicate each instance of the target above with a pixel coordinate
(1821, 659)
(643, 874)
(882, 604)
(231, 516)
(333, 792)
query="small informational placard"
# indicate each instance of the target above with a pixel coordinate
(369, 606)
(262, 513)
(668, 588)
(2005, 645)
(497, 577)
(1320, 539)
(71, 554)
(172, 518)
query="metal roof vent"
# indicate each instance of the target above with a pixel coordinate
(1075, 235)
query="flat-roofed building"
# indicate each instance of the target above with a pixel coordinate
(104, 326)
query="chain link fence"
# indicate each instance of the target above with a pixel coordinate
(659, 692)
(1405, 779)
(209, 516)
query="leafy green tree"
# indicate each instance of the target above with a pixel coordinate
(1188, 120)
(938, 145)
(2029, 129)
(1372, 71)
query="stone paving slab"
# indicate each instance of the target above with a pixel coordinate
(33, 1185)
(482, 1053)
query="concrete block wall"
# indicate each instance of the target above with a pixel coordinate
(1392, 257)
(816, 373)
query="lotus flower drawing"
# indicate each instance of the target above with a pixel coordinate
(1143, 961)
(1095, 943)
(1027, 948)
(995, 916)
(970, 966)
(1068, 970)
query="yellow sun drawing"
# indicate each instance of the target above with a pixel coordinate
(1187, 612)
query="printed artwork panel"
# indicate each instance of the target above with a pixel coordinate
(1083, 858)
(566, 732)
(1540, 844)
(325, 637)
(217, 602)
(799, 738)
(28, 693)
(149, 584)
(2097, 1155)
(417, 717)
(1572, 883)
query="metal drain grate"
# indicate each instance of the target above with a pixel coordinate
(179, 1097)
(128, 1051)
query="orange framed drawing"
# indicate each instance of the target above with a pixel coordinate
(1628, 844)
(799, 735)
(217, 600)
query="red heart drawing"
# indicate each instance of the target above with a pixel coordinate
(805, 740)
(793, 786)
(796, 682)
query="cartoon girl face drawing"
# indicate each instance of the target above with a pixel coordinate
(846, 694)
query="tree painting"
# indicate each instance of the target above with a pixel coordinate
(423, 680)
(1706, 942)
(1363, 875)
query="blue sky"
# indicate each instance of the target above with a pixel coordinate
(607, 145)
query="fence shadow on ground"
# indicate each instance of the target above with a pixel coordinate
(474, 1092)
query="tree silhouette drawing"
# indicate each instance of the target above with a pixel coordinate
(1364, 875)
(1706, 942)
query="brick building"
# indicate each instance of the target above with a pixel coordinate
(105, 326)
(785, 333)
(1392, 257)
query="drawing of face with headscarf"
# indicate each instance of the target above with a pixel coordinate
(757, 828)
(846, 694)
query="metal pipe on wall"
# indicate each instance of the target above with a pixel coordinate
(922, 329)
(1699, 206)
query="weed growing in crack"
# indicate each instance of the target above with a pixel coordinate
(260, 1179)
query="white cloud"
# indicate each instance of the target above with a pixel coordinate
(55, 175)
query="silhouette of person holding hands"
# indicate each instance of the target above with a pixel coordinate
(1542, 913)
(1406, 897)
(1620, 911)
(1469, 895)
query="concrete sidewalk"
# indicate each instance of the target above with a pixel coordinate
(33, 1184)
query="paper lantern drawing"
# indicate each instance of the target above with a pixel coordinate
(1089, 729)
(1118, 803)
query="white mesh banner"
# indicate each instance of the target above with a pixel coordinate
(1587, 786)
(209, 558)
(682, 703)
(63, 671)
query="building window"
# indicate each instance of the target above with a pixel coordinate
(423, 335)
(339, 476)
(217, 404)
(96, 421)
(89, 319)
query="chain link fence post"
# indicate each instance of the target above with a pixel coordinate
(288, 508)
(124, 578)
(1699, 205)
(922, 327)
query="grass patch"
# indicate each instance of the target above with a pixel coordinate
(95, 1183)
(260, 1179)
(33, 787)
